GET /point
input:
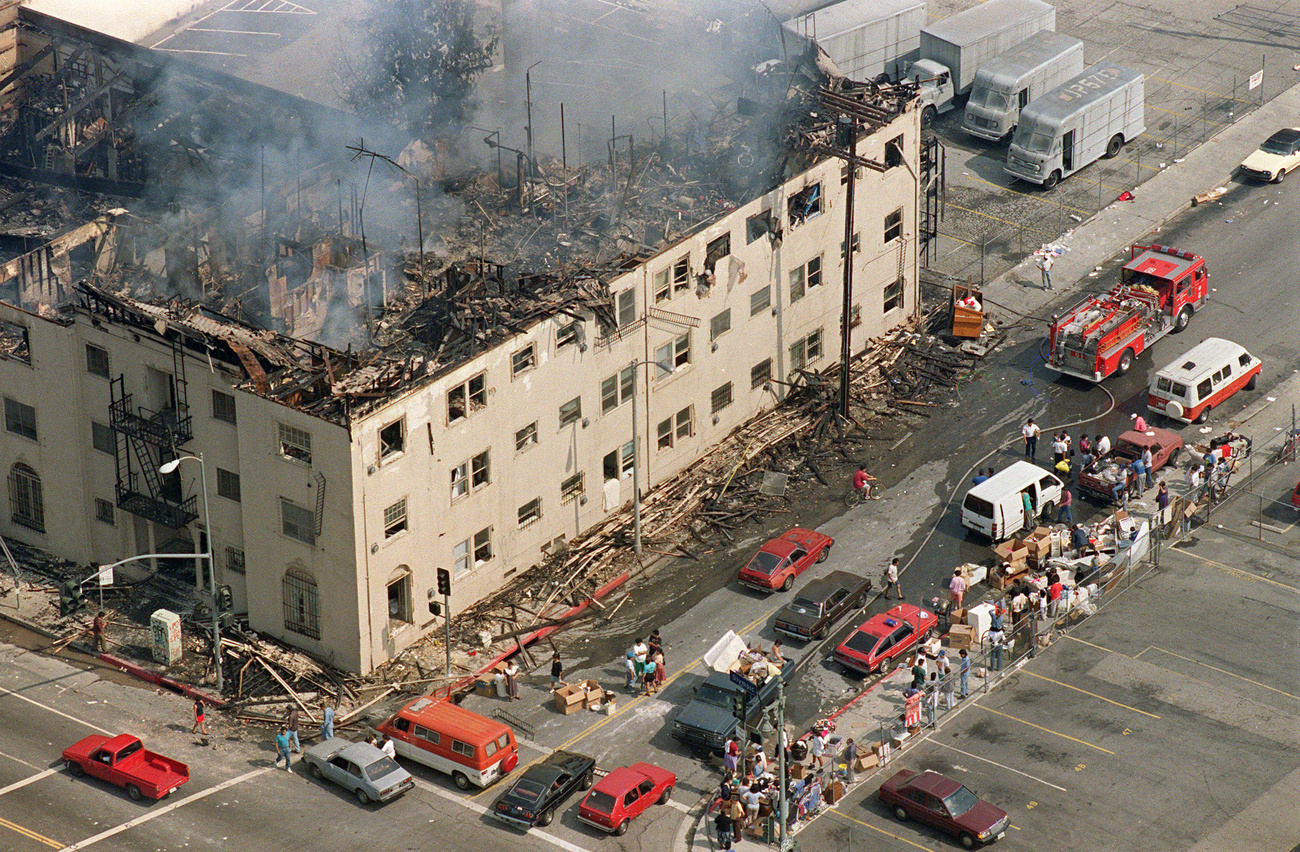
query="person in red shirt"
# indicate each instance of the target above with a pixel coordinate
(1054, 590)
(860, 480)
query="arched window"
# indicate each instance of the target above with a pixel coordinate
(25, 499)
(301, 603)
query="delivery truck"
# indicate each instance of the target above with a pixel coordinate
(872, 41)
(1006, 84)
(953, 49)
(1083, 119)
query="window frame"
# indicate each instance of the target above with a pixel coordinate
(396, 519)
(235, 560)
(523, 360)
(623, 461)
(714, 332)
(624, 387)
(722, 396)
(105, 512)
(811, 199)
(625, 307)
(526, 437)
(480, 471)
(224, 488)
(460, 480)
(681, 275)
(661, 284)
(218, 405)
(893, 225)
(295, 443)
(571, 412)
(760, 377)
(568, 334)
(103, 430)
(310, 537)
(892, 296)
(532, 516)
(26, 497)
(676, 352)
(473, 395)
(760, 300)
(573, 488)
(17, 417)
(387, 449)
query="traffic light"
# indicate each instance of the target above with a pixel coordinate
(225, 598)
(71, 597)
(738, 705)
(444, 581)
(435, 607)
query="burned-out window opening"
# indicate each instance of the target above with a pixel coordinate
(235, 560)
(301, 603)
(526, 437)
(760, 374)
(223, 407)
(616, 390)
(467, 398)
(395, 519)
(97, 360)
(399, 595)
(26, 498)
(480, 471)
(720, 398)
(482, 546)
(523, 360)
(568, 334)
(805, 277)
(805, 204)
(228, 485)
(720, 324)
(759, 225)
(716, 251)
(618, 463)
(625, 303)
(682, 274)
(760, 300)
(297, 522)
(894, 225)
(392, 439)
(894, 152)
(893, 296)
(295, 443)
(530, 512)
(571, 412)
(676, 353)
(105, 512)
(20, 418)
(15, 342)
(662, 285)
(572, 488)
(857, 244)
(102, 438)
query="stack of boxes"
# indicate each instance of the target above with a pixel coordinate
(583, 695)
(1013, 556)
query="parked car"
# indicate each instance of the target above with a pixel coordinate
(1295, 496)
(624, 794)
(944, 803)
(782, 559)
(821, 603)
(123, 760)
(543, 788)
(1279, 154)
(1101, 476)
(361, 768)
(882, 638)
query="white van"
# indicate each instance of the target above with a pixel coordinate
(995, 507)
(1203, 378)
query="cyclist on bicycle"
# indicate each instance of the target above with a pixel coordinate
(861, 483)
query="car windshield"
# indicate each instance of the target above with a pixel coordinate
(1126, 450)
(805, 603)
(1277, 145)
(1040, 142)
(380, 768)
(764, 563)
(991, 98)
(528, 790)
(960, 801)
(713, 695)
(600, 802)
(862, 642)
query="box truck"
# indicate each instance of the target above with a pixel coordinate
(1083, 119)
(954, 48)
(1008, 83)
(872, 41)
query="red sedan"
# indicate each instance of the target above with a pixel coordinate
(946, 804)
(624, 794)
(881, 638)
(782, 559)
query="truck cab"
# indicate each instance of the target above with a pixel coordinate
(936, 89)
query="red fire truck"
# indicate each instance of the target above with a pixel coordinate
(1158, 291)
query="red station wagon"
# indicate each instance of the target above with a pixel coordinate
(624, 794)
(883, 637)
(782, 559)
(944, 803)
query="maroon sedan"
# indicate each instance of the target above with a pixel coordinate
(881, 638)
(944, 803)
(625, 794)
(782, 559)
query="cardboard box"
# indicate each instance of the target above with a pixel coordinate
(570, 699)
(834, 792)
(865, 762)
(483, 688)
(1012, 551)
(875, 748)
(961, 636)
(796, 771)
(593, 694)
(957, 616)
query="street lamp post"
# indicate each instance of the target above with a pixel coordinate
(636, 455)
(212, 567)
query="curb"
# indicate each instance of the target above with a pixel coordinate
(35, 628)
(174, 685)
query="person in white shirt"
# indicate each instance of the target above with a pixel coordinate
(1103, 446)
(388, 748)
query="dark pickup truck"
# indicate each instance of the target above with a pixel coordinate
(820, 604)
(709, 720)
(1099, 478)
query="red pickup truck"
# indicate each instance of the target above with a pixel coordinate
(124, 761)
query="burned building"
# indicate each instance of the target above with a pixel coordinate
(366, 417)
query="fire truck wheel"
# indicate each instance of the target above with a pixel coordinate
(1184, 317)
(1125, 362)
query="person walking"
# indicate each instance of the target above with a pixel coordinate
(97, 638)
(512, 680)
(1162, 496)
(1044, 262)
(327, 721)
(957, 587)
(1146, 465)
(948, 680)
(850, 758)
(931, 699)
(723, 823)
(996, 639)
(963, 668)
(648, 677)
(891, 579)
(200, 723)
(1065, 514)
(1030, 433)
(282, 748)
(918, 672)
(557, 672)
(818, 750)
(291, 723)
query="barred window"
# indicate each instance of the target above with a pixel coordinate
(105, 512)
(530, 511)
(26, 499)
(571, 488)
(721, 398)
(235, 560)
(760, 374)
(301, 603)
(96, 360)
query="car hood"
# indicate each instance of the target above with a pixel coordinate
(705, 717)
(1263, 161)
(982, 817)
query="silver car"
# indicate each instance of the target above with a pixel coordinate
(360, 767)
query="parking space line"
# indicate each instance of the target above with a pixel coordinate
(1224, 671)
(1041, 728)
(1098, 647)
(31, 778)
(482, 811)
(31, 835)
(1092, 694)
(1237, 572)
(1001, 765)
(876, 828)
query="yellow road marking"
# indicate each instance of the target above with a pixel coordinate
(1092, 694)
(1224, 671)
(1237, 572)
(1194, 89)
(1041, 728)
(27, 832)
(1090, 645)
(880, 830)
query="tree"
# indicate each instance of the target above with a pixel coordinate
(419, 61)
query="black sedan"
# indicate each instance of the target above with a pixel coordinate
(543, 788)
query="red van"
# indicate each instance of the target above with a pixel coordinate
(1202, 379)
(472, 749)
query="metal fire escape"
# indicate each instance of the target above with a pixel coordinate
(934, 192)
(144, 440)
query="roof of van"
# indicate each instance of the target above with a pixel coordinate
(1017, 476)
(1069, 98)
(1028, 56)
(1208, 355)
(430, 711)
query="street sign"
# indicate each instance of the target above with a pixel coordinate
(750, 688)
(106, 575)
(1256, 79)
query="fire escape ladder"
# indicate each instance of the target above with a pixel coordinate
(184, 423)
(320, 502)
(139, 442)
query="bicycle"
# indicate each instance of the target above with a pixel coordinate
(869, 491)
